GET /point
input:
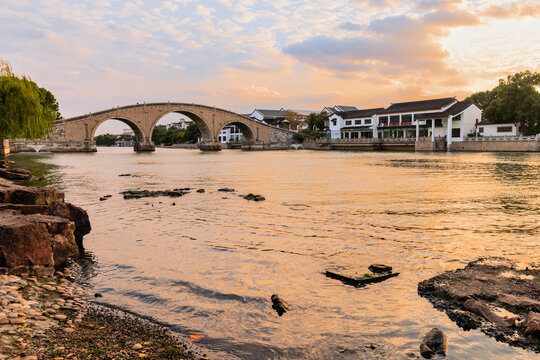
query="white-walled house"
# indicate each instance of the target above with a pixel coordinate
(486, 128)
(353, 124)
(444, 117)
(277, 117)
(230, 133)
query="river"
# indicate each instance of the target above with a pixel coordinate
(210, 263)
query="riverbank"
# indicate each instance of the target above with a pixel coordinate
(44, 313)
(51, 318)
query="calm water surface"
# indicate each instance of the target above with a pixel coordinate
(210, 263)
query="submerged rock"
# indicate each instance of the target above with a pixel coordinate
(254, 197)
(279, 304)
(379, 268)
(15, 174)
(226, 190)
(434, 343)
(491, 294)
(356, 277)
(137, 194)
(200, 191)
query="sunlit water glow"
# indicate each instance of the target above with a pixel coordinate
(210, 263)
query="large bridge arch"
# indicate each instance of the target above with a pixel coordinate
(248, 133)
(139, 134)
(201, 123)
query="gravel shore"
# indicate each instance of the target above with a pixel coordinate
(51, 318)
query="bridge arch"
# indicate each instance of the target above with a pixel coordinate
(201, 123)
(248, 134)
(139, 133)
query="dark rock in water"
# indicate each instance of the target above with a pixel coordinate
(226, 190)
(42, 179)
(6, 164)
(76, 214)
(200, 191)
(15, 174)
(279, 304)
(124, 175)
(98, 295)
(107, 196)
(137, 194)
(491, 294)
(379, 268)
(173, 204)
(254, 197)
(103, 198)
(357, 278)
(434, 343)
(532, 325)
(480, 308)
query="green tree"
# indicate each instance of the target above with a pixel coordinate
(104, 140)
(49, 103)
(516, 99)
(192, 133)
(158, 134)
(22, 114)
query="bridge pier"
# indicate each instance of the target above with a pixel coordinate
(143, 147)
(214, 146)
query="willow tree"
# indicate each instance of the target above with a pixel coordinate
(24, 112)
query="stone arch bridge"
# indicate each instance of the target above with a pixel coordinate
(142, 118)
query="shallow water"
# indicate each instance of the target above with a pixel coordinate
(210, 263)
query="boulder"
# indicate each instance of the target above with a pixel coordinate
(75, 214)
(254, 197)
(379, 268)
(532, 325)
(35, 240)
(15, 174)
(434, 343)
(16, 194)
(226, 190)
(486, 311)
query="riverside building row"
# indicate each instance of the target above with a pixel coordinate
(435, 118)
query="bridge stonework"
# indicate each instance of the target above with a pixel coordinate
(142, 118)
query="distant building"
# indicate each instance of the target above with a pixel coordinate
(486, 128)
(180, 124)
(279, 117)
(230, 133)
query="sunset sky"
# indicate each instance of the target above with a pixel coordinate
(246, 54)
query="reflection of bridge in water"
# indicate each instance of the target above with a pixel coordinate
(142, 118)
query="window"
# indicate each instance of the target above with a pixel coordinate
(457, 117)
(334, 122)
(367, 122)
(481, 130)
(394, 118)
(406, 118)
(383, 119)
(348, 122)
(357, 122)
(438, 122)
(504, 129)
(456, 133)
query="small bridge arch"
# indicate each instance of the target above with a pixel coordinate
(142, 118)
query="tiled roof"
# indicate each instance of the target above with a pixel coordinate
(272, 113)
(345, 107)
(452, 110)
(432, 104)
(359, 113)
(487, 122)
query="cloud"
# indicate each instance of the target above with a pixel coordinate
(513, 10)
(350, 26)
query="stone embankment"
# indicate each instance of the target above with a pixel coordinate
(495, 295)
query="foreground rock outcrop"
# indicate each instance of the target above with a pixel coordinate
(38, 230)
(495, 295)
(8, 171)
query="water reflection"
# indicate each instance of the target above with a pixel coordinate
(210, 263)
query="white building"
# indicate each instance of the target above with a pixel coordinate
(278, 117)
(353, 124)
(486, 128)
(230, 133)
(445, 117)
(181, 124)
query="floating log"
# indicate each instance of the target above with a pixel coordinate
(350, 277)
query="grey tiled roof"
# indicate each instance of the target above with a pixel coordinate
(452, 110)
(421, 105)
(359, 113)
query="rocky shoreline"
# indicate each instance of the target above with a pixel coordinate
(44, 313)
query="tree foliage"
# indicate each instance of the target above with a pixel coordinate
(293, 118)
(105, 140)
(516, 99)
(175, 135)
(26, 111)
